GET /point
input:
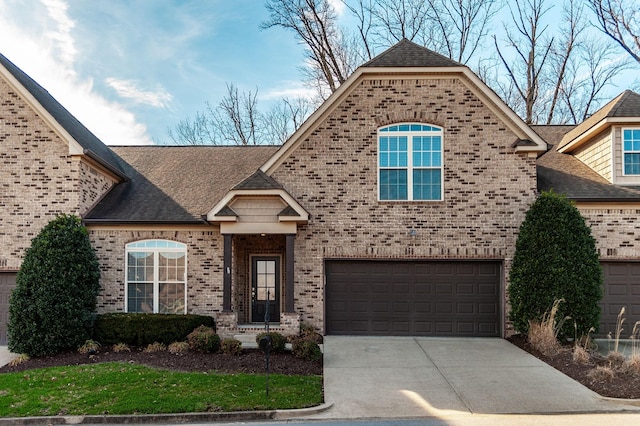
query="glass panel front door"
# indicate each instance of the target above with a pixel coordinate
(265, 292)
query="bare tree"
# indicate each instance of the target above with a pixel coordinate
(463, 25)
(619, 19)
(284, 118)
(236, 120)
(194, 131)
(531, 48)
(314, 23)
(588, 76)
(558, 75)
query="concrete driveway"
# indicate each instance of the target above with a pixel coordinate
(383, 377)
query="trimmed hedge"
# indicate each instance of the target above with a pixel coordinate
(278, 341)
(143, 329)
(556, 258)
(52, 307)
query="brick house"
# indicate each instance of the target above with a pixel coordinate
(393, 210)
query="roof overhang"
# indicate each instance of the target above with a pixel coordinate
(287, 220)
(477, 86)
(75, 148)
(600, 126)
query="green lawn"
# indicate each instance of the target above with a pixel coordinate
(120, 388)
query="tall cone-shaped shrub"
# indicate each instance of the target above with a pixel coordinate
(555, 258)
(53, 305)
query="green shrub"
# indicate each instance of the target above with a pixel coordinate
(278, 341)
(309, 332)
(306, 349)
(204, 339)
(231, 346)
(555, 258)
(143, 329)
(52, 308)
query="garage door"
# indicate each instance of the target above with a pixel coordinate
(408, 298)
(621, 288)
(7, 283)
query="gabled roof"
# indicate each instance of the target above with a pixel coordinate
(565, 174)
(176, 184)
(409, 54)
(258, 180)
(70, 127)
(409, 60)
(623, 108)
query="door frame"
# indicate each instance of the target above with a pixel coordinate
(278, 297)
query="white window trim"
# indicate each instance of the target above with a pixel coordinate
(624, 172)
(410, 168)
(156, 269)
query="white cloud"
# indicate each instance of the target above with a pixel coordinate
(338, 6)
(127, 89)
(39, 40)
(290, 89)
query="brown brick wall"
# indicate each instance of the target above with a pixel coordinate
(333, 174)
(93, 185)
(38, 177)
(617, 232)
(204, 266)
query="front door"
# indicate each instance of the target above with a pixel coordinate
(265, 288)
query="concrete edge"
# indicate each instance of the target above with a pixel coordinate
(621, 401)
(168, 418)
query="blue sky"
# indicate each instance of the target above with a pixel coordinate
(129, 70)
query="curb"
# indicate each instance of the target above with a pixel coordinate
(168, 418)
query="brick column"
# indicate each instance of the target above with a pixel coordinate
(288, 303)
(226, 281)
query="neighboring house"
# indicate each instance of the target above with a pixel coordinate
(393, 210)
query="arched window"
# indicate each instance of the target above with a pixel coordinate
(410, 162)
(156, 277)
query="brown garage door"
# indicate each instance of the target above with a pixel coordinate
(7, 283)
(412, 298)
(621, 288)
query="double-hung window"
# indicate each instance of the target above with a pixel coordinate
(410, 162)
(631, 151)
(156, 277)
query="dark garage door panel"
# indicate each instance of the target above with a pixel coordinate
(7, 283)
(413, 298)
(621, 289)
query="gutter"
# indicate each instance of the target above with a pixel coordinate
(95, 157)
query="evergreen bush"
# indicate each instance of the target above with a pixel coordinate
(555, 258)
(204, 339)
(52, 308)
(278, 341)
(139, 329)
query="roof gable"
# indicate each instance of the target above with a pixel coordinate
(409, 54)
(624, 107)
(421, 63)
(68, 127)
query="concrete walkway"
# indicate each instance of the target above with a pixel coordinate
(388, 377)
(5, 355)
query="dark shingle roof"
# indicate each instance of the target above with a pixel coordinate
(626, 104)
(565, 174)
(176, 184)
(258, 180)
(409, 54)
(92, 146)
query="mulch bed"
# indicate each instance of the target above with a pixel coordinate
(250, 361)
(623, 385)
